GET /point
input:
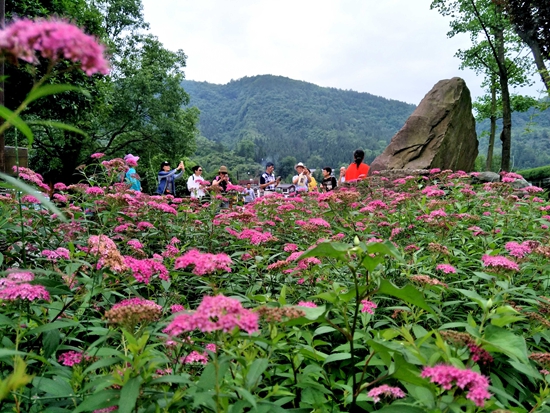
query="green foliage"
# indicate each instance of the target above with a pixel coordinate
(139, 108)
(536, 174)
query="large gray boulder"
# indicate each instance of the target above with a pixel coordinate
(439, 134)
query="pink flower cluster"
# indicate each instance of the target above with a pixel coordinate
(499, 262)
(143, 225)
(143, 270)
(520, 250)
(177, 308)
(256, 237)
(163, 207)
(59, 253)
(374, 205)
(449, 376)
(204, 263)
(446, 268)
(28, 174)
(387, 391)
(54, 40)
(290, 247)
(196, 357)
(433, 191)
(218, 313)
(313, 224)
(95, 191)
(368, 306)
(16, 287)
(70, 358)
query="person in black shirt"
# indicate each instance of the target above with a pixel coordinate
(329, 182)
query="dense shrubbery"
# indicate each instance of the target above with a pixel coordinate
(536, 174)
(425, 295)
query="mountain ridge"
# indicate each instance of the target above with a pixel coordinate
(275, 117)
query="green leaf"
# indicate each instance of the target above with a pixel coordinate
(504, 341)
(58, 125)
(409, 294)
(181, 379)
(47, 90)
(99, 400)
(384, 248)
(101, 363)
(129, 395)
(324, 330)
(337, 250)
(475, 297)
(505, 320)
(56, 387)
(337, 357)
(27, 189)
(282, 296)
(255, 372)
(207, 380)
(50, 342)
(5, 320)
(245, 394)
(13, 119)
(53, 326)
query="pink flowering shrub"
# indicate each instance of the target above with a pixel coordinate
(190, 305)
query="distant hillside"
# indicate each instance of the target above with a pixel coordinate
(285, 117)
(272, 117)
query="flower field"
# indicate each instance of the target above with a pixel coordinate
(427, 294)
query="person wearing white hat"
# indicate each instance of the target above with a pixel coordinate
(300, 180)
(132, 176)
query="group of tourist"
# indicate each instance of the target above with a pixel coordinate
(303, 181)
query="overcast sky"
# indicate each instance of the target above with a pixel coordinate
(397, 49)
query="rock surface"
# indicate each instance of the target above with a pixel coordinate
(439, 134)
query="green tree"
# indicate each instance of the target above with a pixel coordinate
(138, 108)
(493, 40)
(531, 21)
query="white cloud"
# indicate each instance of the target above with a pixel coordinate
(397, 49)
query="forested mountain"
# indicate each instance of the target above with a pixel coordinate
(530, 139)
(285, 117)
(276, 118)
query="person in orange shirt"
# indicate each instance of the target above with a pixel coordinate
(357, 170)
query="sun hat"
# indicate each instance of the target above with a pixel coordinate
(223, 169)
(131, 159)
(299, 164)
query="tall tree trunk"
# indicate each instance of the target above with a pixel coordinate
(537, 55)
(493, 118)
(506, 134)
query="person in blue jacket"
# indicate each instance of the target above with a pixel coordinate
(167, 178)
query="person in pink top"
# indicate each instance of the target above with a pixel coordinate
(357, 170)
